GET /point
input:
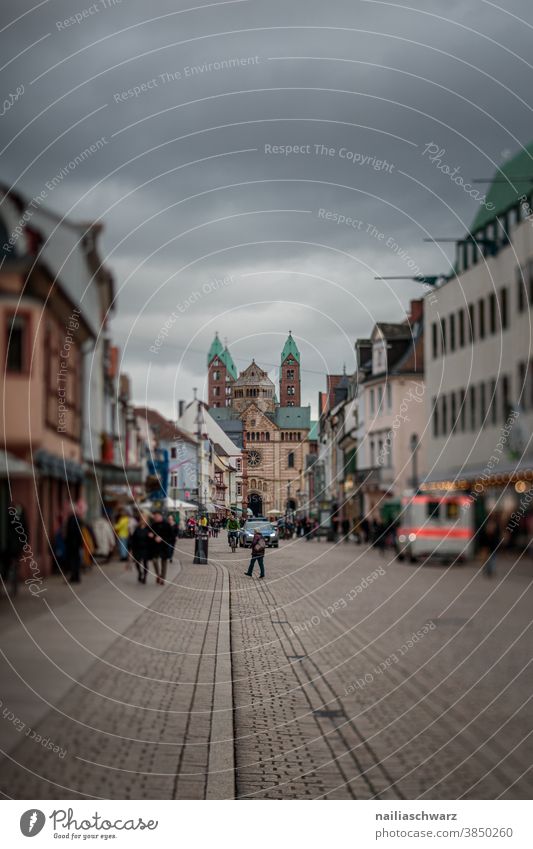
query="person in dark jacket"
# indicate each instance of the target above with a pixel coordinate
(173, 535)
(491, 541)
(139, 545)
(73, 545)
(161, 546)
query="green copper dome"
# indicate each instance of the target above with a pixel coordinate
(290, 348)
(216, 349)
(227, 359)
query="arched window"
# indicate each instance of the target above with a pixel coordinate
(267, 436)
(252, 483)
(290, 460)
(253, 436)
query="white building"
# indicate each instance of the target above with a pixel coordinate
(478, 353)
(391, 450)
(221, 460)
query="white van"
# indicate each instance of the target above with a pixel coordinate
(435, 525)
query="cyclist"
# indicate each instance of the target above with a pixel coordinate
(232, 528)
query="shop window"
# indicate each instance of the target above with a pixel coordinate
(452, 332)
(435, 408)
(471, 325)
(17, 343)
(461, 325)
(481, 319)
(503, 309)
(472, 393)
(462, 409)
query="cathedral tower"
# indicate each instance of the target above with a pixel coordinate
(221, 375)
(289, 377)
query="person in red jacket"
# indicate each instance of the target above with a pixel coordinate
(258, 555)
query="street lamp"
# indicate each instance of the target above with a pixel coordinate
(414, 446)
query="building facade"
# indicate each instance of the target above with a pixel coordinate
(274, 434)
(478, 354)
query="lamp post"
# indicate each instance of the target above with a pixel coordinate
(413, 446)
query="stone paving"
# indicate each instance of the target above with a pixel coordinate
(125, 723)
(351, 676)
(333, 701)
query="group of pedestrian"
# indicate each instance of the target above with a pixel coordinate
(148, 539)
(153, 541)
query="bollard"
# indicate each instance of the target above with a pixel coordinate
(200, 548)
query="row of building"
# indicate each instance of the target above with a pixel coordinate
(443, 400)
(70, 432)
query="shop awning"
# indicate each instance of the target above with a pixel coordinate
(52, 466)
(492, 474)
(12, 467)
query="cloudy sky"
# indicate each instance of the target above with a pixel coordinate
(234, 137)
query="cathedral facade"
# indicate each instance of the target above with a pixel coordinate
(273, 434)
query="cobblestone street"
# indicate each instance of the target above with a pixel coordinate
(351, 676)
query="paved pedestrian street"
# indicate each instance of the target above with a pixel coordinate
(344, 674)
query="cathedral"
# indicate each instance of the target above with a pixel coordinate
(272, 433)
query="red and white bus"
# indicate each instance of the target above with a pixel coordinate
(435, 525)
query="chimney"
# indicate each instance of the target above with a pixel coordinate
(417, 311)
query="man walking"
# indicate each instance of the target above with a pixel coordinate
(161, 546)
(73, 544)
(258, 554)
(139, 547)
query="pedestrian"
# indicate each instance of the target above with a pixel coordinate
(58, 545)
(491, 541)
(160, 546)
(122, 530)
(258, 554)
(139, 545)
(73, 544)
(88, 547)
(174, 530)
(105, 538)
(346, 530)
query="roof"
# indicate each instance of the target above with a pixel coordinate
(290, 347)
(227, 359)
(313, 432)
(221, 413)
(293, 417)
(163, 428)
(68, 250)
(504, 194)
(394, 331)
(216, 349)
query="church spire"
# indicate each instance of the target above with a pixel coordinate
(215, 350)
(289, 377)
(290, 347)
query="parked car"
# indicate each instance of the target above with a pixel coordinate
(267, 530)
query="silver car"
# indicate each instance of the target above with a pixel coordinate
(268, 531)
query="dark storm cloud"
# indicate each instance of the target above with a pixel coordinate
(187, 102)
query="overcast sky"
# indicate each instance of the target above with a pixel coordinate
(207, 227)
